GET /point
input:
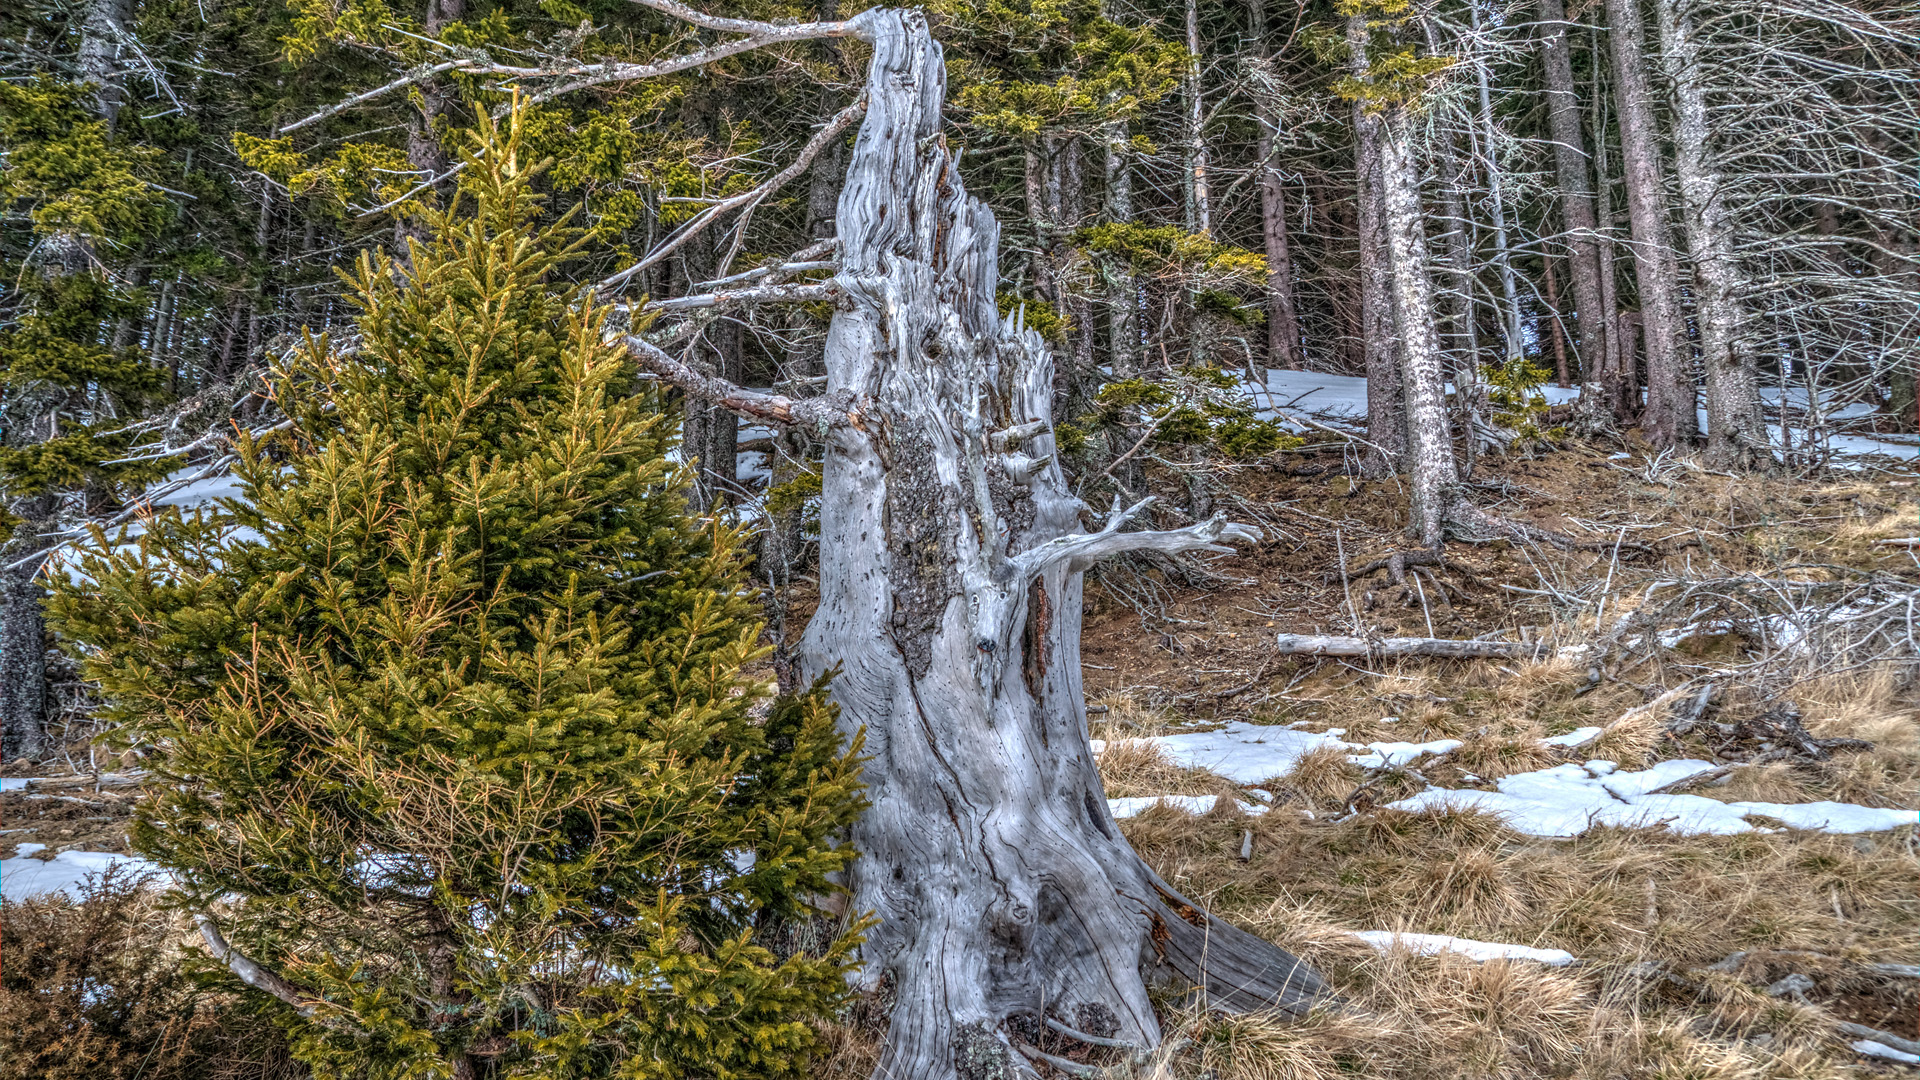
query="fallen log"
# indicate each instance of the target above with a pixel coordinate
(1336, 645)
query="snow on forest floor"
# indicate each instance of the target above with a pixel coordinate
(26, 876)
(1563, 800)
(1343, 399)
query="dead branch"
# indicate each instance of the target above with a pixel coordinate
(841, 410)
(253, 974)
(751, 197)
(1337, 645)
(811, 292)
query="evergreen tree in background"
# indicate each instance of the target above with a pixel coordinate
(459, 762)
(73, 387)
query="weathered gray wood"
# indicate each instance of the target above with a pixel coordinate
(950, 602)
(1338, 645)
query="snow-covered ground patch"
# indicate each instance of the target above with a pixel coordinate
(1561, 801)
(1567, 800)
(1192, 804)
(22, 878)
(1431, 944)
(1250, 753)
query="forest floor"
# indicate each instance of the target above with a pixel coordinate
(1626, 952)
(1662, 951)
(1693, 954)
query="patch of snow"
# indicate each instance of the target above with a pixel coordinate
(1882, 1050)
(1191, 804)
(1430, 944)
(1341, 397)
(1392, 755)
(1564, 800)
(1249, 753)
(14, 783)
(1567, 800)
(1243, 753)
(1580, 736)
(22, 878)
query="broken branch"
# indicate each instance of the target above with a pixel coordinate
(842, 409)
(1337, 645)
(251, 973)
(833, 129)
(1083, 549)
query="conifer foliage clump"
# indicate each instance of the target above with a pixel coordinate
(449, 708)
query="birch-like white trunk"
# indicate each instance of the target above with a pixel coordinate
(1430, 462)
(950, 605)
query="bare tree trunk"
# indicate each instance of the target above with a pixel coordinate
(1435, 474)
(1736, 430)
(103, 35)
(1199, 198)
(1470, 389)
(1669, 419)
(1470, 396)
(1619, 380)
(1123, 293)
(1496, 196)
(1573, 176)
(1284, 347)
(1554, 319)
(1386, 419)
(23, 634)
(950, 602)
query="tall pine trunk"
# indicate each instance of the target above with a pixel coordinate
(1668, 419)
(1510, 331)
(1736, 430)
(1573, 176)
(1386, 419)
(1284, 347)
(950, 603)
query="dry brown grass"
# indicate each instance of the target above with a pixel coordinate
(1614, 898)
(1321, 779)
(1491, 755)
(1130, 767)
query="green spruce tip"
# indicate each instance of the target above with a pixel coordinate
(456, 740)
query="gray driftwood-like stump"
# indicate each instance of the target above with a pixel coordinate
(950, 603)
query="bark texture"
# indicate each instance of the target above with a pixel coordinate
(1284, 347)
(950, 600)
(1386, 420)
(1573, 174)
(23, 633)
(1669, 417)
(1430, 461)
(1736, 431)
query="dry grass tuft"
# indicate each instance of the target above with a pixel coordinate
(1630, 740)
(1127, 717)
(1321, 779)
(1491, 755)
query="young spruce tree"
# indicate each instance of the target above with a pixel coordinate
(451, 728)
